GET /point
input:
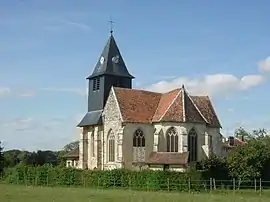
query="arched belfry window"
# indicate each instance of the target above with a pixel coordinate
(111, 146)
(172, 140)
(138, 138)
(192, 145)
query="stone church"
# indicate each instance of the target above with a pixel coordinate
(135, 129)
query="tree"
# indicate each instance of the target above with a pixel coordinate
(242, 133)
(71, 146)
(1, 158)
(255, 134)
(214, 167)
(249, 161)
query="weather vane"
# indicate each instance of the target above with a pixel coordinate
(111, 25)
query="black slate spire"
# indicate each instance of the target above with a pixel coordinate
(109, 71)
(111, 62)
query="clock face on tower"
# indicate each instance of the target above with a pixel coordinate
(101, 60)
(115, 59)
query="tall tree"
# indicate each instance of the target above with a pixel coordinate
(71, 146)
(249, 162)
(1, 158)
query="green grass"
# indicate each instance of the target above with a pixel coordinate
(14, 193)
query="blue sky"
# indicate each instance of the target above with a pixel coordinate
(48, 48)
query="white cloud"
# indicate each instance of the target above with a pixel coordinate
(68, 90)
(26, 93)
(231, 110)
(57, 25)
(20, 124)
(4, 91)
(213, 85)
(264, 65)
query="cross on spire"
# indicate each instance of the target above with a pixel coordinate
(111, 25)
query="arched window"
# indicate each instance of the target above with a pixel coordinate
(138, 138)
(172, 140)
(111, 147)
(192, 145)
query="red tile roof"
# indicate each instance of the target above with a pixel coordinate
(168, 158)
(236, 143)
(140, 106)
(137, 106)
(166, 100)
(206, 108)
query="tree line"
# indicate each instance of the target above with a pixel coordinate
(12, 158)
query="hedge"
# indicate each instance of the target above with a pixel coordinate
(148, 180)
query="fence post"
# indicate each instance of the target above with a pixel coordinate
(234, 184)
(214, 183)
(36, 179)
(47, 179)
(25, 178)
(168, 184)
(255, 184)
(210, 185)
(129, 182)
(189, 185)
(260, 186)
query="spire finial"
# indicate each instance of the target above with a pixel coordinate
(111, 25)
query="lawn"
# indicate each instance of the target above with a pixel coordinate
(13, 193)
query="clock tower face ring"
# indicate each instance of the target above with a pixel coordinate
(101, 60)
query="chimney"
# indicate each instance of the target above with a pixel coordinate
(231, 140)
(242, 138)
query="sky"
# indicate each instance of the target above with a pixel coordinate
(48, 48)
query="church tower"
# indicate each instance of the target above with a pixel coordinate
(109, 71)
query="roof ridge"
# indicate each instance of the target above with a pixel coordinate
(187, 94)
(177, 95)
(183, 104)
(134, 89)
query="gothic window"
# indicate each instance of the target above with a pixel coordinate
(111, 147)
(138, 146)
(96, 84)
(192, 145)
(138, 138)
(172, 140)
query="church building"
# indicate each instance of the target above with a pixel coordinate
(136, 129)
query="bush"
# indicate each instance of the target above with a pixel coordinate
(57, 176)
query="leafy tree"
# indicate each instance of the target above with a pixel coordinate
(214, 167)
(255, 134)
(1, 159)
(71, 146)
(249, 161)
(241, 132)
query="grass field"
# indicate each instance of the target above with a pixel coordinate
(13, 193)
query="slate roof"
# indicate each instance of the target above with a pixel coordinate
(91, 118)
(113, 62)
(73, 154)
(140, 106)
(168, 158)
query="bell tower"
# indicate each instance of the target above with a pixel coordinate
(110, 70)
